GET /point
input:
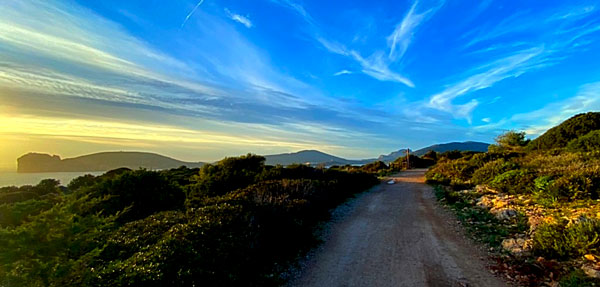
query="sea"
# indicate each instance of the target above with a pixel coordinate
(10, 178)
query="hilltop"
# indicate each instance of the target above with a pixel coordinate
(459, 146)
(311, 157)
(571, 129)
(104, 161)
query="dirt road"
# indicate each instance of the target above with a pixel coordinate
(395, 235)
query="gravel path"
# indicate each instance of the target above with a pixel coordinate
(395, 235)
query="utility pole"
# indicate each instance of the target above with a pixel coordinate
(407, 158)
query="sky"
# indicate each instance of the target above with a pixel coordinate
(199, 81)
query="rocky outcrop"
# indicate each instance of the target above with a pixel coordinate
(37, 162)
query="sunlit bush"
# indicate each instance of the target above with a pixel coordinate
(562, 240)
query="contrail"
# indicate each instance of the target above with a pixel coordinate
(191, 13)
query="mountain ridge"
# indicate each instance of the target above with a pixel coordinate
(104, 161)
(311, 157)
(101, 161)
(443, 147)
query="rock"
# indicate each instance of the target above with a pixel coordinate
(515, 246)
(589, 270)
(505, 213)
(485, 201)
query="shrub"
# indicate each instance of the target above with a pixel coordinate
(456, 173)
(516, 181)
(561, 240)
(588, 142)
(81, 181)
(542, 193)
(374, 167)
(490, 170)
(136, 194)
(14, 214)
(582, 184)
(225, 176)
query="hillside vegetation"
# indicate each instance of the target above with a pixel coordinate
(535, 201)
(234, 223)
(573, 128)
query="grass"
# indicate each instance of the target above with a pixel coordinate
(479, 222)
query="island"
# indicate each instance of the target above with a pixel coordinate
(104, 161)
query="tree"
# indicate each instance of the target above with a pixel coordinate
(511, 139)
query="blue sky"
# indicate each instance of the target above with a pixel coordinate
(203, 80)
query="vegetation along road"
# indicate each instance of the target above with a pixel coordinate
(395, 235)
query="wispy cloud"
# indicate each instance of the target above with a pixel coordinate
(191, 13)
(298, 9)
(535, 42)
(539, 121)
(536, 122)
(343, 72)
(489, 74)
(244, 20)
(376, 65)
(529, 26)
(400, 39)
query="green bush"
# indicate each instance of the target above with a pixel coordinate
(518, 181)
(491, 170)
(374, 167)
(16, 213)
(543, 194)
(586, 143)
(81, 181)
(456, 173)
(563, 240)
(136, 194)
(580, 184)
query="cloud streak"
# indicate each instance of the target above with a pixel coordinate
(343, 72)
(508, 67)
(402, 35)
(555, 37)
(536, 122)
(191, 13)
(375, 65)
(244, 20)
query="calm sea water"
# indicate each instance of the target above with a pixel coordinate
(18, 179)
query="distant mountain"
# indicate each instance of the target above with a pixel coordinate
(460, 146)
(36, 162)
(573, 128)
(311, 157)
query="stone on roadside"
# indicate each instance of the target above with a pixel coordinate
(515, 245)
(505, 213)
(589, 270)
